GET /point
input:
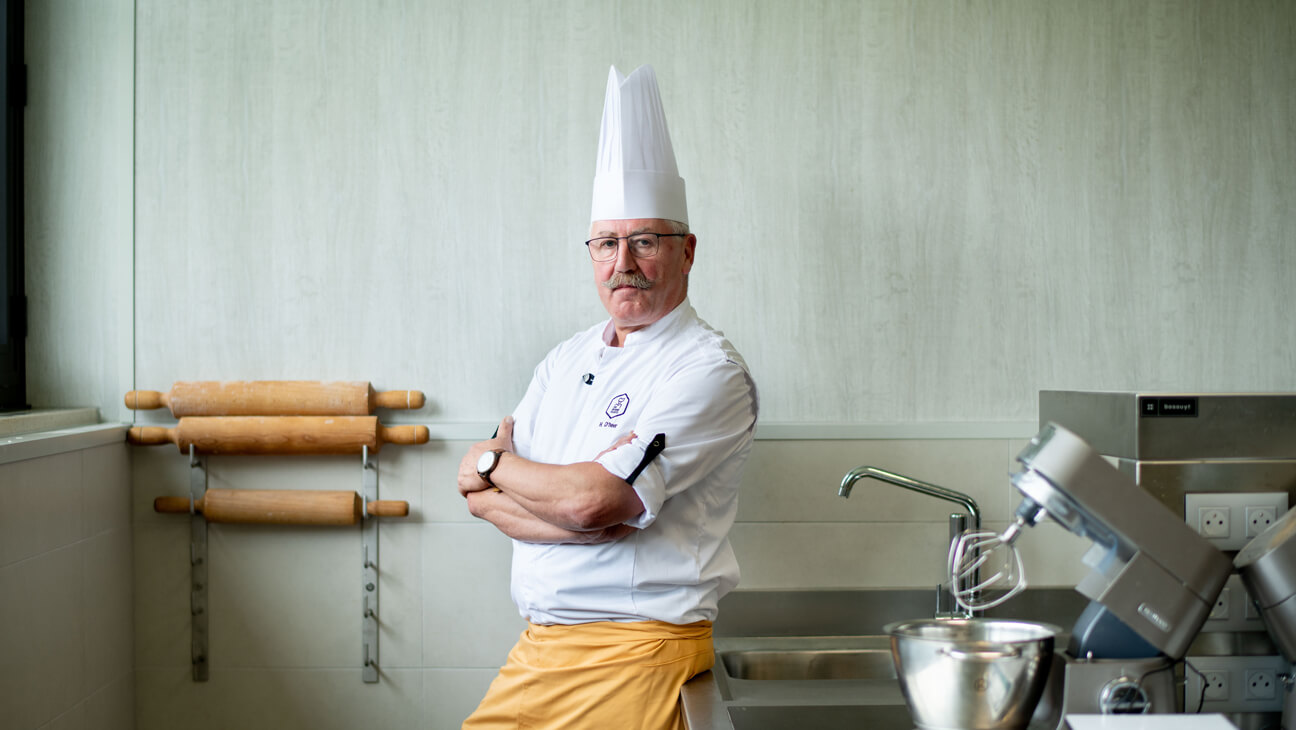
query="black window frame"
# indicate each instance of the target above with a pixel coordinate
(13, 299)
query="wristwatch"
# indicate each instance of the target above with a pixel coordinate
(487, 463)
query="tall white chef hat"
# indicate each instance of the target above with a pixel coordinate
(636, 176)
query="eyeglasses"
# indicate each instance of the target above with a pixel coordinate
(642, 245)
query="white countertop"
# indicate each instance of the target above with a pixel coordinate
(1149, 722)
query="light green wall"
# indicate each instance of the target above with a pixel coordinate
(79, 202)
(907, 211)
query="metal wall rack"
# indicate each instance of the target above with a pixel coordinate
(198, 604)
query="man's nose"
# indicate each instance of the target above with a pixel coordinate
(625, 261)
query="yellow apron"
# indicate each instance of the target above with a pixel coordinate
(596, 675)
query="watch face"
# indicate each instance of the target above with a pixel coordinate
(486, 461)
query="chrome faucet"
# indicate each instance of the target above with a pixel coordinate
(958, 522)
(931, 490)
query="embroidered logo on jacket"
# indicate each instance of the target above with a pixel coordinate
(618, 405)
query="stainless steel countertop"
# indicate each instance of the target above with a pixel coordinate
(704, 708)
(761, 619)
(707, 698)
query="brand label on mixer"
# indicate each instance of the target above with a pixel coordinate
(1150, 614)
(1174, 406)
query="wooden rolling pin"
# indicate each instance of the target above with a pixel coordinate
(281, 507)
(279, 434)
(273, 398)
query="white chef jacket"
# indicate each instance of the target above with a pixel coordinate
(679, 378)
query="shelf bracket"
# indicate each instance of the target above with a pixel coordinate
(369, 566)
(198, 567)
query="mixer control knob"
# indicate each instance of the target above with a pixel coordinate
(1124, 696)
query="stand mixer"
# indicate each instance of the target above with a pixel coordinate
(1268, 568)
(1152, 580)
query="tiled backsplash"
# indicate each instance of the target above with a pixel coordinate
(66, 631)
(285, 602)
(94, 585)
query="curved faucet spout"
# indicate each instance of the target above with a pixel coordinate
(931, 490)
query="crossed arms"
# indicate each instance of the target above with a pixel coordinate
(579, 503)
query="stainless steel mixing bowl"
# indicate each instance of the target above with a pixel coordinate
(972, 674)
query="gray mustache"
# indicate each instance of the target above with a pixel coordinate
(636, 280)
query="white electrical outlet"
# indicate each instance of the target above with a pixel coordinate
(1258, 519)
(1260, 684)
(1217, 686)
(1229, 520)
(1234, 683)
(1220, 612)
(1233, 610)
(1213, 521)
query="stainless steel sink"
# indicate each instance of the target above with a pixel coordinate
(824, 682)
(809, 664)
(792, 659)
(806, 670)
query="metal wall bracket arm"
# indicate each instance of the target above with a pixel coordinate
(369, 567)
(198, 644)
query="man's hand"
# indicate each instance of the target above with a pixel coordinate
(580, 497)
(469, 481)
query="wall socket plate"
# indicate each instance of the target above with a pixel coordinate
(1233, 610)
(1218, 684)
(1235, 683)
(1229, 520)
(1258, 519)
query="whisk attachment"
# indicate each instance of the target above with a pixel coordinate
(981, 553)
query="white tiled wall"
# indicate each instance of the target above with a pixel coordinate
(285, 602)
(794, 531)
(66, 633)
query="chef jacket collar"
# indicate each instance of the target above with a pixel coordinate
(653, 331)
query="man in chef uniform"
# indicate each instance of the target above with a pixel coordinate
(617, 476)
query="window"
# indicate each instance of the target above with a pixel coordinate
(13, 300)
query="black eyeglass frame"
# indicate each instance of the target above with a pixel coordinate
(619, 239)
